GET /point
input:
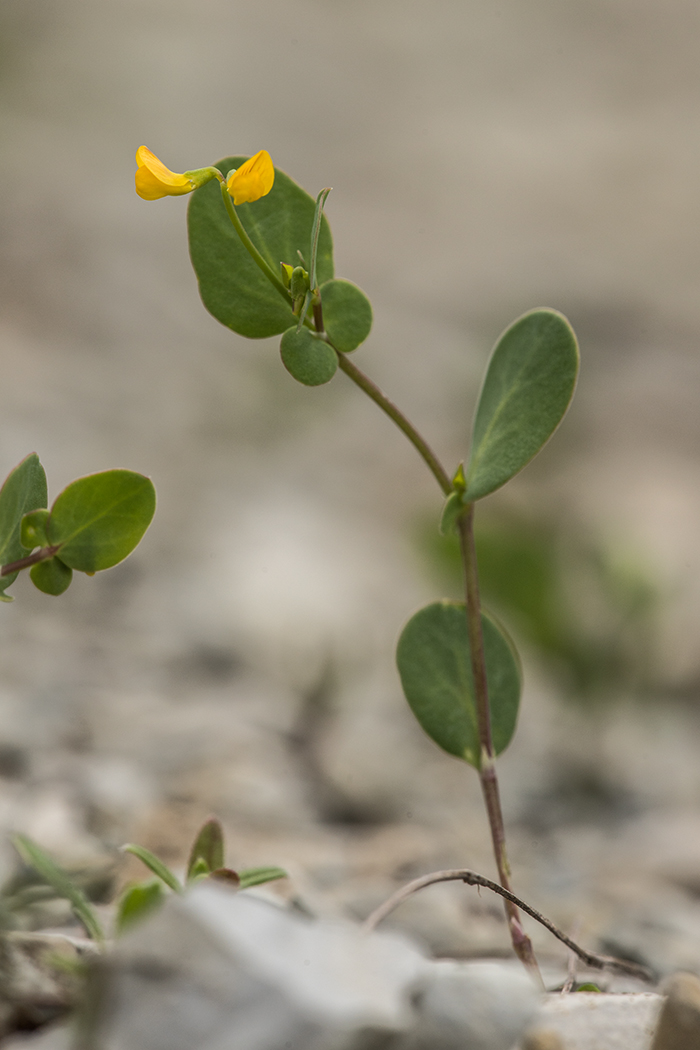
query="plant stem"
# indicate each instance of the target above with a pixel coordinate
(250, 247)
(24, 563)
(487, 769)
(372, 390)
(598, 962)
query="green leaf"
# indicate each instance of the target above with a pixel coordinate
(157, 867)
(257, 876)
(451, 511)
(51, 576)
(208, 848)
(33, 529)
(231, 285)
(98, 520)
(347, 314)
(528, 387)
(60, 882)
(137, 902)
(307, 358)
(24, 490)
(434, 663)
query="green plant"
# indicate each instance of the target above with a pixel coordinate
(92, 525)
(138, 899)
(459, 669)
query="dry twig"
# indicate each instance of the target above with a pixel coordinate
(596, 962)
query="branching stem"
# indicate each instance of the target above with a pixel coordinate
(597, 962)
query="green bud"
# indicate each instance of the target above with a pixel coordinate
(299, 282)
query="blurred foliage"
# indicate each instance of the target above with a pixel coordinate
(586, 610)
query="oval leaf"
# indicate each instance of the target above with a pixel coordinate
(347, 314)
(231, 285)
(98, 520)
(435, 667)
(51, 576)
(528, 387)
(306, 357)
(24, 490)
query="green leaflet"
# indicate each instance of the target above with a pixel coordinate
(51, 576)
(347, 314)
(98, 520)
(231, 285)
(307, 358)
(528, 387)
(434, 663)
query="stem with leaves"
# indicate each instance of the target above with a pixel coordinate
(487, 771)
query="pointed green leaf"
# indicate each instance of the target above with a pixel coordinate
(347, 314)
(137, 902)
(231, 285)
(60, 881)
(434, 663)
(98, 520)
(33, 529)
(24, 490)
(528, 387)
(257, 876)
(307, 358)
(51, 576)
(207, 848)
(157, 867)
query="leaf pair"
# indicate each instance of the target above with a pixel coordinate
(527, 389)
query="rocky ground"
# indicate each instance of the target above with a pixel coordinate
(485, 158)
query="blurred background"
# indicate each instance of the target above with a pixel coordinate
(486, 157)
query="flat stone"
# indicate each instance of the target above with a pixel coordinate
(593, 1021)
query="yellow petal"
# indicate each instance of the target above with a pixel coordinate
(253, 179)
(154, 180)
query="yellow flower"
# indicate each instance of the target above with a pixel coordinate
(252, 180)
(154, 180)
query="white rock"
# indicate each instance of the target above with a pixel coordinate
(218, 971)
(476, 1005)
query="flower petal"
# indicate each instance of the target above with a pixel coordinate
(252, 180)
(154, 180)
